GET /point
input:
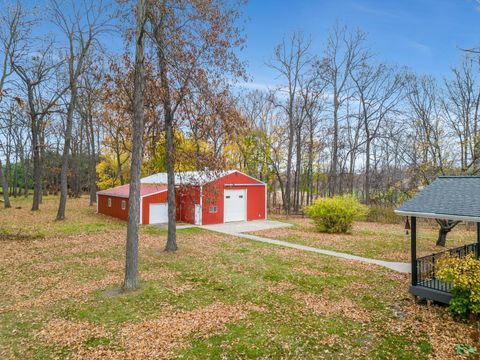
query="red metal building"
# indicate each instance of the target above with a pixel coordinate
(202, 198)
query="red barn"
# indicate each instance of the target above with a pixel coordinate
(202, 198)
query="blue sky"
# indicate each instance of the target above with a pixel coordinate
(424, 35)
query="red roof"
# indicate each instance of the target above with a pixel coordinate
(124, 190)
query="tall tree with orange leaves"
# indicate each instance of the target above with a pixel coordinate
(195, 43)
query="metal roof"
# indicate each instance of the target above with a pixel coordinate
(187, 177)
(448, 197)
(123, 191)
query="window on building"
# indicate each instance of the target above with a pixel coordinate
(124, 204)
(109, 202)
(213, 210)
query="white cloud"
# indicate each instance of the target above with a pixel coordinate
(418, 46)
(254, 86)
(374, 11)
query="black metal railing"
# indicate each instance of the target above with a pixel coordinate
(427, 266)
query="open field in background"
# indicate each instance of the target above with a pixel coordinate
(373, 240)
(217, 297)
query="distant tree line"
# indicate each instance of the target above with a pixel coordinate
(343, 121)
(336, 121)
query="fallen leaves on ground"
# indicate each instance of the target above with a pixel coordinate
(158, 338)
(309, 271)
(381, 241)
(443, 331)
(69, 333)
(52, 273)
(339, 307)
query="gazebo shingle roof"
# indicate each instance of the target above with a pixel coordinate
(448, 197)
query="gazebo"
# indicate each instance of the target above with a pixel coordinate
(454, 198)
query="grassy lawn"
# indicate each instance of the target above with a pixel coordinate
(373, 240)
(216, 297)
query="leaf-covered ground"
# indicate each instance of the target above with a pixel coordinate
(217, 297)
(373, 240)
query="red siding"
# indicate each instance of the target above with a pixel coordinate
(116, 209)
(213, 195)
(151, 199)
(187, 197)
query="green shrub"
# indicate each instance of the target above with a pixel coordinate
(382, 214)
(335, 214)
(464, 275)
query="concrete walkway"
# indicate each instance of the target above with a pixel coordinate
(237, 229)
(178, 227)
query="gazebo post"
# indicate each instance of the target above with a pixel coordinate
(413, 243)
(478, 240)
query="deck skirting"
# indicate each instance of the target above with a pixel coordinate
(430, 294)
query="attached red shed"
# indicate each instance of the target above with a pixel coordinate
(202, 198)
(153, 202)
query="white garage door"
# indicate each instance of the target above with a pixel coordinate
(235, 205)
(158, 213)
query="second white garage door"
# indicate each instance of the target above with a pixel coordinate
(235, 205)
(158, 213)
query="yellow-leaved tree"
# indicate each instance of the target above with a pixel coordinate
(113, 169)
(189, 154)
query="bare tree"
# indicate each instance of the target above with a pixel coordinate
(3, 179)
(378, 91)
(266, 123)
(310, 104)
(15, 26)
(131, 281)
(81, 27)
(343, 55)
(292, 60)
(423, 98)
(88, 104)
(461, 106)
(37, 75)
(314, 109)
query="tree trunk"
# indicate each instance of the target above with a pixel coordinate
(298, 166)
(445, 227)
(367, 171)
(172, 213)
(66, 151)
(92, 163)
(24, 170)
(131, 280)
(119, 165)
(8, 175)
(6, 200)
(288, 183)
(442, 237)
(25, 180)
(310, 166)
(334, 167)
(37, 167)
(169, 128)
(15, 175)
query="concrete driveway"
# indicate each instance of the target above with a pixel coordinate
(245, 226)
(240, 228)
